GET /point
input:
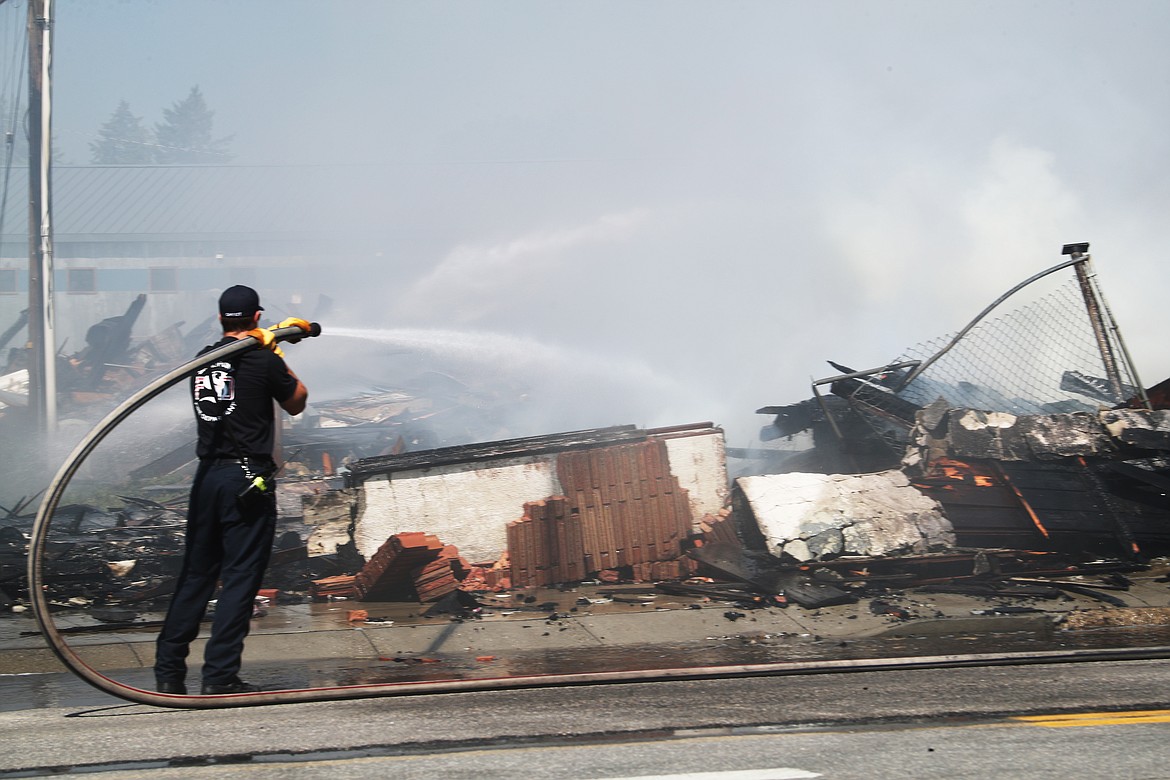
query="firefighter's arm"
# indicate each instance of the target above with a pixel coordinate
(295, 403)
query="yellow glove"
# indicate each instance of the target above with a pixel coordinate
(294, 322)
(266, 339)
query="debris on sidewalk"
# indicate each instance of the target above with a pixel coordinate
(952, 470)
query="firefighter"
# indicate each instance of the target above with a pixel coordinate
(231, 517)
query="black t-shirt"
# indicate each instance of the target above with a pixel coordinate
(238, 392)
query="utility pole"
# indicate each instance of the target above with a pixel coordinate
(42, 394)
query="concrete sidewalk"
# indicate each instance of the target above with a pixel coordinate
(583, 621)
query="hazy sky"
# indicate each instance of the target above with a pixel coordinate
(722, 195)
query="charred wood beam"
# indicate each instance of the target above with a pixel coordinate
(171, 462)
(1152, 478)
(870, 389)
(993, 590)
(21, 505)
(1063, 583)
(104, 627)
(13, 329)
(1095, 387)
(949, 567)
(534, 445)
(738, 592)
(1121, 528)
(1091, 592)
(108, 340)
(763, 572)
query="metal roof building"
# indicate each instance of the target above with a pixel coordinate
(181, 234)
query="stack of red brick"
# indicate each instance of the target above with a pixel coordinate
(339, 587)
(622, 508)
(434, 580)
(411, 563)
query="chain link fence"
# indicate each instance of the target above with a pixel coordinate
(1041, 357)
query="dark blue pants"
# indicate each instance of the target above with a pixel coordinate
(227, 543)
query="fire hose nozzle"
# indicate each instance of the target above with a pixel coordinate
(293, 333)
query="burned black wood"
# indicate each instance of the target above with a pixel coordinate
(458, 604)
(101, 628)
(976, 565)
(167, 464)
(881, 579)
(13, 329)
(737, 592)
(880, 607)
(122, 615)
(1062, 583)
(765, 573)
(20, 506)
(1150, 477)
(282, 557)
(149, 503)
(107, 342)
(1091, 592)
(533, 445)
(992, 590)
(1074, 506)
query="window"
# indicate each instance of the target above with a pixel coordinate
(163, 280)
(81, 280)
(7, 280)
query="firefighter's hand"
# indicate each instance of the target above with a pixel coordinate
(266, 339)
(295, 322)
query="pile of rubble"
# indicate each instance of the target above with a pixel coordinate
(618, 506)
(895, 493)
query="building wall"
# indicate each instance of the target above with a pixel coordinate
(178, 289)
(469, 504)
(465, 504)
(700, 465)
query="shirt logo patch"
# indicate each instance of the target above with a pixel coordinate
(214, 392)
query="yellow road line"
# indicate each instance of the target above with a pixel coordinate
(1096, 718)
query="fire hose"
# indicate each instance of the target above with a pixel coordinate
(75, 664)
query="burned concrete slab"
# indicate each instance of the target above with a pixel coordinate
(1140, 428)
(972, 433)
(804, 517)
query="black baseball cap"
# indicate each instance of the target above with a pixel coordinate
(239, 301)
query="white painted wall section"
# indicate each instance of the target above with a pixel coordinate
(699, 462)
(468, 505)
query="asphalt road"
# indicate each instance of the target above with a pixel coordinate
(954, 723)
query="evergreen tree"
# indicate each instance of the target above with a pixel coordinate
(122, 140)
(185, 134)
